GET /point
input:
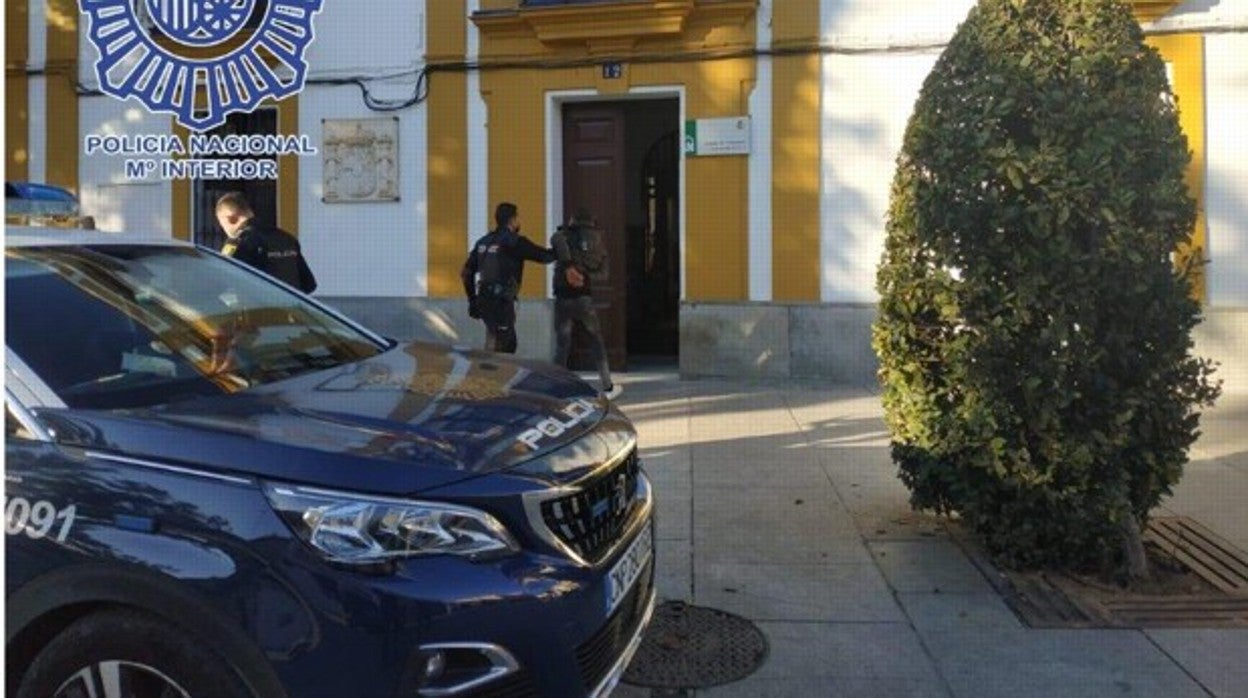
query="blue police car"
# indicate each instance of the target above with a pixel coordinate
(216, 486)
(32, 201)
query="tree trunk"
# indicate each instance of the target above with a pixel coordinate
(1133, 545)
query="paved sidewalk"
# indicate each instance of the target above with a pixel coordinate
(779, 502)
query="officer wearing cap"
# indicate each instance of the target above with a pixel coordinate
(493, 273)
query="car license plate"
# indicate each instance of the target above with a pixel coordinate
(625, 573)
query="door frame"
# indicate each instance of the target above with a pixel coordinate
(555, 99)
(193, 185)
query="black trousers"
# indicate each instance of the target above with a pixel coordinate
(580, 311)
(499, 315)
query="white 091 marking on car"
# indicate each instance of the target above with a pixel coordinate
(37, 519)
(575, 412)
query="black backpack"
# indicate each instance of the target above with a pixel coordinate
(588, 250)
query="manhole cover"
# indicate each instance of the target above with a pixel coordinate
(696, 647)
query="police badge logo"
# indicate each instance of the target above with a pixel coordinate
(200, 23)
(178, 62)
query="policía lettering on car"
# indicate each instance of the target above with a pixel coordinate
(571, 415)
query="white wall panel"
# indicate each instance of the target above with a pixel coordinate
(480, 213)
(37, 129)
(136, 206)
(1204, 15)
(867, 101)
(1226, 184)
(884, 22)
(365, 249)
(760, 230)
(37, 23)
(373, 38)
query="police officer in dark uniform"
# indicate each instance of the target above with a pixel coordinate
(271, 250)
(492, 277)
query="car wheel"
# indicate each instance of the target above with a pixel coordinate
(128, 654)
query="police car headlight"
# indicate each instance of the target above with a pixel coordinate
(357, 529)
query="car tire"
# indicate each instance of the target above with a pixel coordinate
(128, 654)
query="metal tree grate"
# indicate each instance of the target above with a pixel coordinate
(696, 647)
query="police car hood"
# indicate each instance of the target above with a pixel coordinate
(416, 417)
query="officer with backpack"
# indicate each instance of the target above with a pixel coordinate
(492, 277)
(580, 254)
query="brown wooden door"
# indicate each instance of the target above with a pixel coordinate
(593, 177)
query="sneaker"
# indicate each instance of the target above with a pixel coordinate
(613, 391)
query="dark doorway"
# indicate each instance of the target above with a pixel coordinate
(262, 193)
(654, 253)
(622, 162)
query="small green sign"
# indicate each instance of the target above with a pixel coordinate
(723, 136)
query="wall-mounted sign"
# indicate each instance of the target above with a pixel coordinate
(730, 136)
(613, 70)
(361, 160)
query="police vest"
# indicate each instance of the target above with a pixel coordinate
(498, 268)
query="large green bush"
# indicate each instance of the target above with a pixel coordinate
(1033, 332)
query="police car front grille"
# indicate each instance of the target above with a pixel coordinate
(592, 520)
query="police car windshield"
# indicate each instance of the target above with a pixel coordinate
(114, 326)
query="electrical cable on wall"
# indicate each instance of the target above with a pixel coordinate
(420, 91)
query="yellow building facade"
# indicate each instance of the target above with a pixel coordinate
(705, 51)
(756, 259)
(525, 61)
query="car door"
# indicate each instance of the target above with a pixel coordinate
(38, 512)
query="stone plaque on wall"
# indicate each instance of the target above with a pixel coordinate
(361, 158)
